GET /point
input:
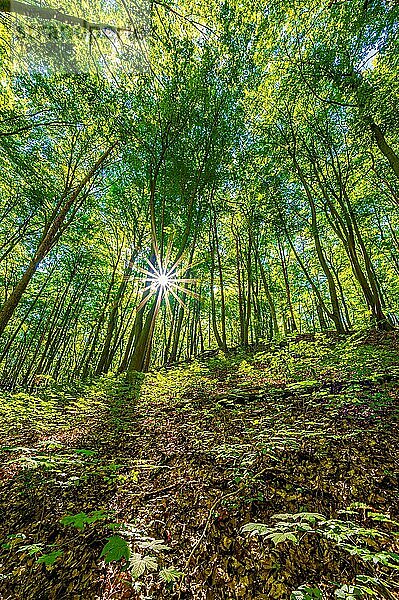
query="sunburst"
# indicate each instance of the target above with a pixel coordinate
(165, 281)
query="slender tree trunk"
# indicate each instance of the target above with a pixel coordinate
(106, 357)
(385, 148)
(269, 297)
(216, 333)
(50, 235)
(293, 326)
(241, 305)
(142, 352)
(335, 313)
(221, 285)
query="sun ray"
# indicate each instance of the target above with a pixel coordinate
(180, 301)
(180, 280)
(163, 280)
(159, 261)
(152, 267)
(168, 307)
(176, 264)
(187, 291)
(144, 301)
(144, 271)
(148, 287)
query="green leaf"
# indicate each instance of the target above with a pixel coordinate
(97, 515)
(49, 559)
(31, 549)
(115, 549)
(139, 564)
(256, 528)
(381, 517)
(348, 592)
(81, 519)
(170, 574)
(303, 516)
(154, 545)
(305, 592)
(279, 538)
(86, 452)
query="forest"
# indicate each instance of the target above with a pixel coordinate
(199, 300)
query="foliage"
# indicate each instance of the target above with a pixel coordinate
(51, 558)
(306, 593)
(115, 549)
(166, 475)
(266, 183)
(81, 519)
(355, 539)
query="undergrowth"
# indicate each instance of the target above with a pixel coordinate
(148, 489)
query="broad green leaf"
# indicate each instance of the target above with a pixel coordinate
(139, 564)
(256, 528)
(170, 574)
(86, 452)
(115, 549)
(81, 519)
(49, 559)
(279, 538)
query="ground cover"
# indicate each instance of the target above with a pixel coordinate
(169, 487)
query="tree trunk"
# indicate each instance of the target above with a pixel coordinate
(385, 148)
(49, 237)
(269, 297)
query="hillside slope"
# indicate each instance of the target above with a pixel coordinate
(166, 472)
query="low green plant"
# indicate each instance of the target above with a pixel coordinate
(50, 558)
(305, 592)
(140, 553)
(115, 549)
(353, 538)
(80, 520)
(14, 543)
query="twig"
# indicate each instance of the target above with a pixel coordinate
(207, 524)
(149, 495)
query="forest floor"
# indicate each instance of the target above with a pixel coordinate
(116, 491)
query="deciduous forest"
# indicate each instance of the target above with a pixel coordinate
(199, 300)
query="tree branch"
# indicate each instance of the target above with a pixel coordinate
(53, 14)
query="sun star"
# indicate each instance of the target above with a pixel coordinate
(163, 280)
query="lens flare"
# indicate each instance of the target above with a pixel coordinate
(162, 280)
